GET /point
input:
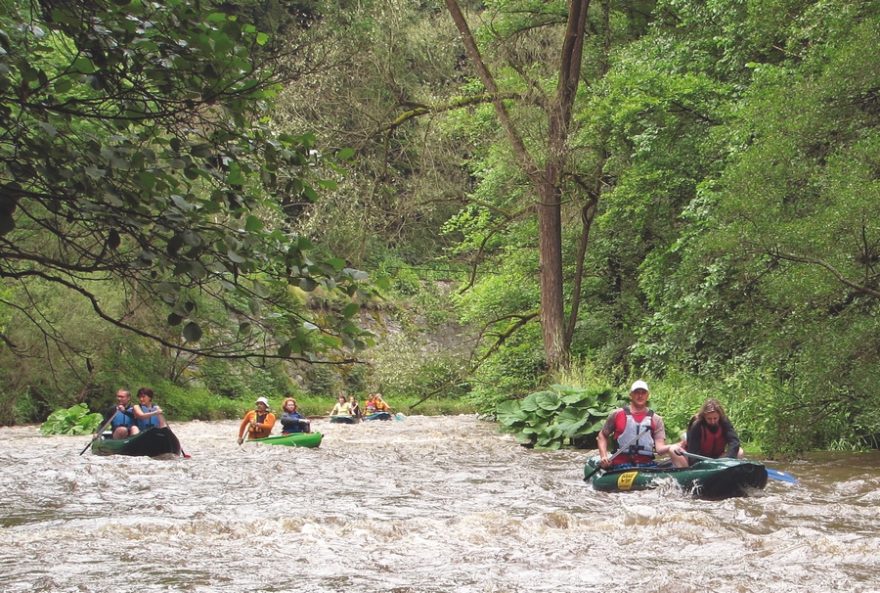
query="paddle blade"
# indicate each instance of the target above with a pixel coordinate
(775, 474)
(399, 416)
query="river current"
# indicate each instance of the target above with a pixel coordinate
(421, 505)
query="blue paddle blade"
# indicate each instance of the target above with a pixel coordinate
(775, 474)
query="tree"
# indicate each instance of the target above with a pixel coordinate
(136, 150)
(381, 62)
(546, 178)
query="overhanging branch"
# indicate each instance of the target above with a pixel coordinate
(816, 261)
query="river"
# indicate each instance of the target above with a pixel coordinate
(419, 505)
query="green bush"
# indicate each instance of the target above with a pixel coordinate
(405, 366)
(323, 379)
(219, 377)
(188, 403)
(72, 421)
(561, 415)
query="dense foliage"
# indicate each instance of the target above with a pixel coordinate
(134, 151)
(717, 187)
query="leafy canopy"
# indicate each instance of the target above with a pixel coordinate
(136, 148)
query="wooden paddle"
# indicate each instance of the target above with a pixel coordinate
(100, 431)
(773, 474)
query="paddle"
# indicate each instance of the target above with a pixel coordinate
(100, 431)
(247, 433)
(620, 450)
(773, 474)
(244, 438)
(182, 452)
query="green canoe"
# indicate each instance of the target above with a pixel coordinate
(344, 419)
(149, 443)
(294, 439)
(712, 478)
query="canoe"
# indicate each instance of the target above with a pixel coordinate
(294, 439)
(149, 443)
(343, 419)
(378, 416)
(712, 478)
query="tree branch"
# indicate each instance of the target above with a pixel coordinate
(523, 157)
(816, 261)
(419, 110)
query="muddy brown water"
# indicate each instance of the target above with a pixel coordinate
(424, 504)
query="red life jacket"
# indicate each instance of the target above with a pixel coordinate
(712, 444)
(639, 451)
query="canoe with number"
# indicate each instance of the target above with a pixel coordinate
(711, 478)
(150, 443)
(293, 439)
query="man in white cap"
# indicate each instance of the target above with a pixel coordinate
(639, 433)
(258, 422)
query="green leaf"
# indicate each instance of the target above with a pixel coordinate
(235, 257)
(548, 401)
(235, 176)
(192, 332)
(253, 224)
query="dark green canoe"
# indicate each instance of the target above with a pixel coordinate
(293, 439)
(379, 416)
(712, 478)
(149, 443)
(344, 419)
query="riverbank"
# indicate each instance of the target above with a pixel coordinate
(200, 405)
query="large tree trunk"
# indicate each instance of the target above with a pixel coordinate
(556, 350)
(547, 182)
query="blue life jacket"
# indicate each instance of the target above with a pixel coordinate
(145, 423)
(122, 418)
(293, 422)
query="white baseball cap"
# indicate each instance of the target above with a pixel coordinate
(639, 385)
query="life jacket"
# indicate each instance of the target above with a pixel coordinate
(122, 418)
(258, 432)
(145, 423)
(712, 444)
(639, 449)
(293, 422)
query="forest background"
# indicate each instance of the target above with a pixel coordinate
(454, 203)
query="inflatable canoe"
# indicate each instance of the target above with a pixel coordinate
(710, 478)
